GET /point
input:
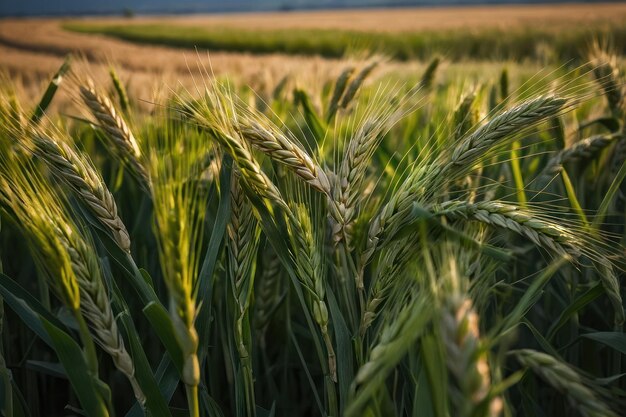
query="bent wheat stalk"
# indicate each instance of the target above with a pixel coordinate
(565, 379)
(76, 171)
(542, 233)
(63, 249)
(96, 307)
(582, 150)
(340, 87)
(425, 179)
(277, 145)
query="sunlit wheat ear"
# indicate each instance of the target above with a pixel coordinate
(214, 113)
(429, 73)
(12, 115)
(466, 358)
(556, 238)
(273, 142)
(76, 170)
(471, 148)
(465, 115)
(65, 252)
(43, 241)
(269, 139)
(349, 180)
(566, 380)
(425, 179)
(543, 233)
(96, 306)
(117, 131)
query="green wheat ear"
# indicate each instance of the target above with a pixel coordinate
(179, 207)
(64, 252)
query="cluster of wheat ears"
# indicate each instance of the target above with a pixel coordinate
(369, 250)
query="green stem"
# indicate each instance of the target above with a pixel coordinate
(571, 195)
(248, 381)
(333, 406)
(192, 400)
(242, 335)
(517, 175)
(89, 347)
(350, 270)
(146, 292)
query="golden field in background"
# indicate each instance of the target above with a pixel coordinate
(32, 49)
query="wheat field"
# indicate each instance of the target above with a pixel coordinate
(227, 234)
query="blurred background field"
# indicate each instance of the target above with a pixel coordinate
(254, 46)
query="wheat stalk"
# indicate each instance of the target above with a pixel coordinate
(243, 238)
(270, 140)
(42, 238)
(214, 115)
(67, 255)
(566, 380)
(309, 270)
(115, 127)
(356, 83)
(348, 182)
(465, 116)
(96, 306)
(120, 89)
(306, 253)
(243, 242)
(429, 73)
(180, 209)
(426, 178)
(582, 150)
(340, 87)
(491, 134)
(542, 233)
(249, 167)
(75, 170)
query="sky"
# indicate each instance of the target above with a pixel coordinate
(85, 7)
